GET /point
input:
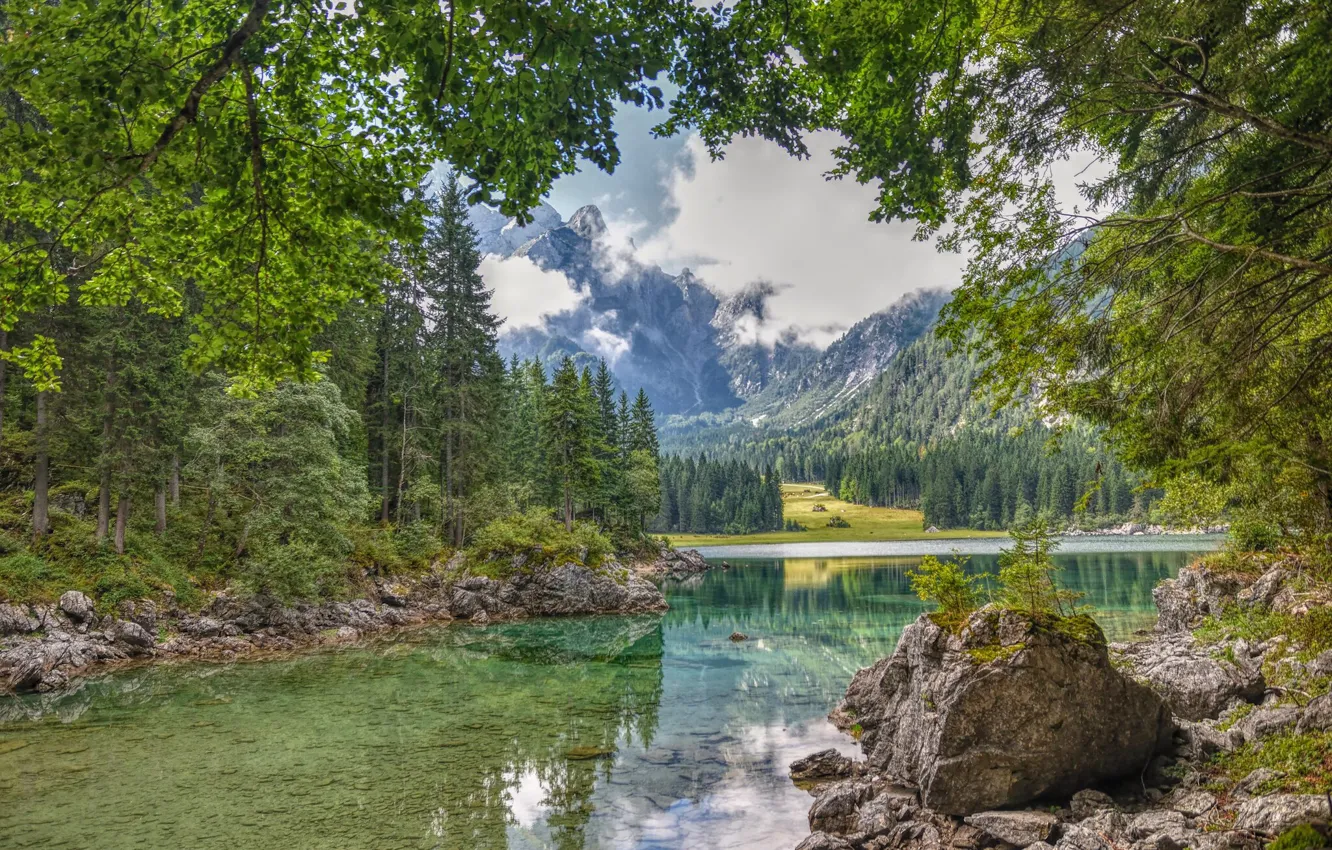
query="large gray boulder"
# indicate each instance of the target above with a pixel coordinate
(76, 606)
(1002, 713)
(1194, 679)
(1020, 829)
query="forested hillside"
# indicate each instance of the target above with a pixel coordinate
(138, 476)
(917, 436)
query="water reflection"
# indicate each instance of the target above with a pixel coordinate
(589, 733)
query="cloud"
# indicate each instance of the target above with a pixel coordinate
(761, 215)
(524, 293)
(606, 344)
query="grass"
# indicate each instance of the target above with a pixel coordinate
(1303, 763)
(865, 523)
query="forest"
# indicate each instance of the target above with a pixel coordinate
(703, 496)
(918, 436)
(139, 475)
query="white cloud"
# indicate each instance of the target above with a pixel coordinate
(524, 292)
(606, 344)
(760, 214)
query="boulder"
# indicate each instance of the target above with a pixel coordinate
(131, 635)
(1197, 684)
(1317, 716)
(1150, 823)
(1076, 837)
(1002, 713)
(1266, 722)
(1262, 592)
(836, 809)
(76, 606)
(1017, 828)
(15, 620)
(1321, 665)
(1192, 803)
(141, 611)
(823, 765)
(1277, 813)
(1197, 592)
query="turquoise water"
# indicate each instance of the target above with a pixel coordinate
(610, 732)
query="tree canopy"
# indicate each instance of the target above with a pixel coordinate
(261, 155)
(1184, 304)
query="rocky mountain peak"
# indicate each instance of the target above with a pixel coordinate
(588, 223)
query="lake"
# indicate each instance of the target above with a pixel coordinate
(606, 732)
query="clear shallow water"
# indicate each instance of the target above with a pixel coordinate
(611, 732)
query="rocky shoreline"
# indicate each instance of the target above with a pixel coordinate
(44, 647)
(1015, 734)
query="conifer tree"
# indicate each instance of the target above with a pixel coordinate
(466, 381)
(567, 437)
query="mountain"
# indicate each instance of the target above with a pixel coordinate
(694, 350)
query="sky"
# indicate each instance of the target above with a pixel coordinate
(757, 215)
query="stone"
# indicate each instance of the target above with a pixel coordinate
(76, 606)
(1196, 684)
(1262, 592)
(1075, 837)
(347, 634)
(1107, 823)
(877, 817)
(823, 841)
(736, 637)
(1197, 592)
(1266, 722)
(1042, 717)
(1089, 802)
(480, 618)
(1017, 828)
(1276, 813)
(1253, 783)
(15, 620)
(201, 627)
(1321, 665)
(823, 765)
(141, 611)
(1193, 803)
(575, 589)
(1174, 838)
(394, 594)
(1149, 823)
(131, 634)
(1317, 716)
(835, 810)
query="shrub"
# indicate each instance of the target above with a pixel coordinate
(1302, 837)
(537, 534)
(794, 525)
(1254, 535)
(23, 576)
(946, 584)
(838, 522)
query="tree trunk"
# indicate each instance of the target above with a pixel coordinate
(42, 480)
(383, 441)
(108, 428)
(207, 522)
(449, 484)
(4, 346)
(122, 520)
(175, 480)
(160, 497)
(568, 506)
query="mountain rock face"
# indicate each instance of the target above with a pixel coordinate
(694, 350)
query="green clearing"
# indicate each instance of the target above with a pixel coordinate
(866, 523)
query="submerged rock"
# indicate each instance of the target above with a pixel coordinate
(1003, 713)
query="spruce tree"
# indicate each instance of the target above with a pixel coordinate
(567, 437)
(466, 373)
